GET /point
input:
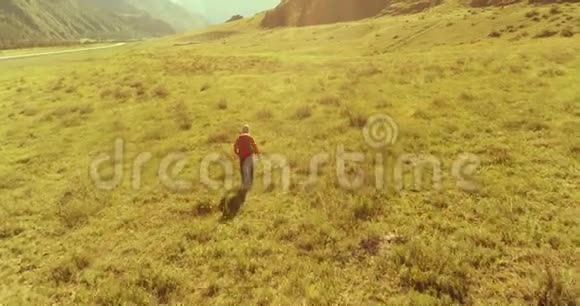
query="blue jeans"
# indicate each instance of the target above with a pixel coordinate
(247, 171)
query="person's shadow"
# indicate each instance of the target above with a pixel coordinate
(231, 204)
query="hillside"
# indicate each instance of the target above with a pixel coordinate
(38, 22)
(316, 12)
(308, 12)
(115, 164)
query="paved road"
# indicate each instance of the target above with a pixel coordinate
(58, 52)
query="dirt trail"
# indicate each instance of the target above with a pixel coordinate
(58, 52)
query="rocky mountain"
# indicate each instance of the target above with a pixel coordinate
(312, 12)
(40, 22)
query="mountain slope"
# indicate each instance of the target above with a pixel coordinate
(307, 12)
(36, 22)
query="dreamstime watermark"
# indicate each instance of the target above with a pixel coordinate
(380, 132)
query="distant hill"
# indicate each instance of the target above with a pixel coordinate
(38, 22)
(219, 11)
(179, 17)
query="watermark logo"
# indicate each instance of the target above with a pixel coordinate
(381, 131)
(350, 171)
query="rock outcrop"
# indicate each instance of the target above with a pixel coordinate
(313, 12)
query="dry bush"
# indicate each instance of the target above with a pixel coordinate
(67, 270)
(303, 112)
(222, 104)
(575, 150)
(121, 93)
(220, 137)
(10, 230)
(77, 205)
(159, 282)
(67, 110)
(537, 126)
(105, 93)
(139, 87)
(434, 270)
(494, 34)
(205, 87)
(499, 156)
(329, 100)
(567, 32)
(439, 102)
(421, 114)
(554, 290)
(182, 116)
(264, 115)
(160, 91)
(369, 71)
(11, 180)
(532, 14)
(555, 10)
(467, 96)
(546, 33)
(356, 119)
(29, 111)
(367, 210)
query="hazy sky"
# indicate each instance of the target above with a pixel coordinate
(217, 11)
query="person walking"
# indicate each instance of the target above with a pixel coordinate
(245, 147)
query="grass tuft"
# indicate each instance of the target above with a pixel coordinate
(303, 112)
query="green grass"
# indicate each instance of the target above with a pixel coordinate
(512, 101)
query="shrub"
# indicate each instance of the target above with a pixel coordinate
(63, 273)
(29, 112)
(466, 96)
(499, 155)
(160, 283)
(182, 116)
(546, 33)
(494, 34)
(264, 115)
(532, 14)
(222, 104)
(219, 137)
(121, 93)
(9, 231)
(366, 210)
(160, 91)
(139, 88)
(567, 32)
(356, 119)
(433, 270)
(78, 204)
(554, 290)
(329, 100)
(369, 71)
(205, 87)
(303, 112)
(555, 10)
(105, 93)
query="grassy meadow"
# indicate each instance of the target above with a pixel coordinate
(499, 83)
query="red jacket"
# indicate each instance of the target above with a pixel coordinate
(245, 146)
